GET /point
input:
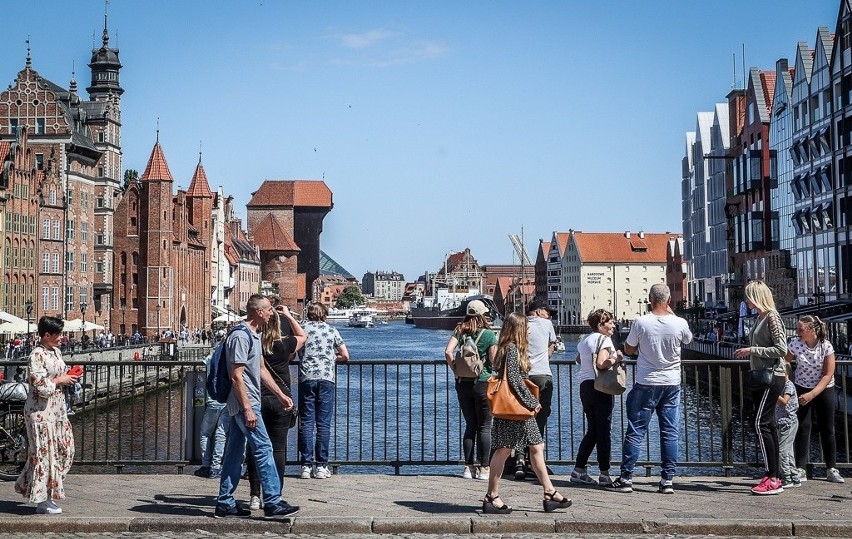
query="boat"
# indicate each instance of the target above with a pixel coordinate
(436, 317)
(343, 315)
(361, 319)
(559, 346)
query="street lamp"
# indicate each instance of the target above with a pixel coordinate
(83, 306)
(29, 306)
(158, 320)
(123, 308)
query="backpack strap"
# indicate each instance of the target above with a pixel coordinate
(478, 336)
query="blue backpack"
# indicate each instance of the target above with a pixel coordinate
(218, 377)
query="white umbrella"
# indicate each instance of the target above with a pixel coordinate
(12, 328)
(76, 324)
(229, 317)
(8, 317)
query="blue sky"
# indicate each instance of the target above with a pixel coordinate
(437, 125)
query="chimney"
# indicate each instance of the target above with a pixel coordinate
(627, 234)
(641, 234)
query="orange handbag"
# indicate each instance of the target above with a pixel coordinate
(503, 401)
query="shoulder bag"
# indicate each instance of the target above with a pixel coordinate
(758, 379)
(503, 401)
(612, 381)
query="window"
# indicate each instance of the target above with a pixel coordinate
(84, 266)
(39, 159)
(45, 229)
(45, 298)
(99, 239)
(55, 294)
(45, 263)
(84, 296)
(69, 262)
(16, 222)
(55, 259)
(69, 195)
(69, 298)
(13, 126)
(99, 266)
(40, 124)
(99, 202)
(84, 232)
(52, 197)
(56, 235)
(69, 229)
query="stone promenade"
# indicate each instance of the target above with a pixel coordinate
(434, 504)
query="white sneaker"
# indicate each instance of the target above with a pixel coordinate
(322, 472)
(483, 473)
(466, 473)
(832, 475)
(254, 503)
(48, 508)
(306, 472)
(803, 475)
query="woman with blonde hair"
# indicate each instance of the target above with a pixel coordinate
(471, 392)
(766, 351)
(508, 434)
(814, 379)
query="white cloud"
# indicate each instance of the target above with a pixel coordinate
(365, 39)
(402, 55)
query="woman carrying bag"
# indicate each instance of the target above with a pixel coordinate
(512, 362)
(596, 353)
(766, 351)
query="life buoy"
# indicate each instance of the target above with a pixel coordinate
(136, 356)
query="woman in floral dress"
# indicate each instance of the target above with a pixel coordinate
(49, 434)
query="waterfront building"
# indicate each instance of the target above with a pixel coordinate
(780, 265)
(461, 273)
(58, 239)
(163, 247)
(242, 260)
(676, 271)
(696, 231)
(389, 285)
(540, 266)
(520, 293)
(612, 271)
(840, 285)
(284, 218)
(327, 288)
(501, 293)
(812, 176)
(220, 274)
(556, 280)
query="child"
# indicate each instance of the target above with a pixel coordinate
(788, 424)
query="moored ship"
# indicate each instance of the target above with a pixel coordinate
(436, 317)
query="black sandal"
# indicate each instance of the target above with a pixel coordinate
(551, 504)
(489, 508)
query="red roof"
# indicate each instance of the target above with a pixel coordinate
(199, 187)
(615, 247)
(5, 146)
(157, 168)
(270, 235)
(292, 193)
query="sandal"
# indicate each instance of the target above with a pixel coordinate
(552, 503)
(489, 508)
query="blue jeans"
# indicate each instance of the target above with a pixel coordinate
(316, 409)
(232, 463)
(214, 429)
(642, 401)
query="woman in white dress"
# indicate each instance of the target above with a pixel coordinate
(51, 440)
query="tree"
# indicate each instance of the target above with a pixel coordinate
(350, 296)
(130, 176)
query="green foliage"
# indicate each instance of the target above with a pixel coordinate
(350, 296)
(130, 175)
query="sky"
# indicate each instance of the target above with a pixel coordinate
(438, 125)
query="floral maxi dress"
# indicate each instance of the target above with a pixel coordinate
(49, 433)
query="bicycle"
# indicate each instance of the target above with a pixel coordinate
(13, 429)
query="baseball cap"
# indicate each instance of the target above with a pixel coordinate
(476, 307)
(537, 304)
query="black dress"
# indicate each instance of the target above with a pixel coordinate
(516, 434)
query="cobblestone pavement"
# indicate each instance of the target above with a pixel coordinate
(207, 535)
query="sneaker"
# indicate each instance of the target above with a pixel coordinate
(255, 503)
(306, 472)
(483, 473)
(620, 485)
(203, 471)
(280, 510)
(832, 475)
(215, 473)
(803, 475)
(520, 470)
(582, 477)
(48, 508)
(231, 512)
(768, 487)
(604, 480)
(666, 487)
(791, 482)
(322, 472)
(466, 473)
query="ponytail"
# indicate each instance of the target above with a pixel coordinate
(815, 324)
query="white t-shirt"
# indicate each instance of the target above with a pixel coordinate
(659, 338)
(809, 362)
(586, 348)
(540, 334)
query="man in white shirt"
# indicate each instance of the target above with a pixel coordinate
(658, 336)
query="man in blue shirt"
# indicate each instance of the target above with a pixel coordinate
(248, 370)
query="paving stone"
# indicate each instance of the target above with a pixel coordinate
(421, 525)
(332, 525)
(822, 528)
(514, 523)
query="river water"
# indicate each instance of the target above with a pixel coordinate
(396, 403)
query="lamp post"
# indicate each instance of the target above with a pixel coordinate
(158, 320)
(83, 306)
(123, 308)
(29, 306)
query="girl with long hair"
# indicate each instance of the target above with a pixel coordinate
(507, 434)
(814, 379)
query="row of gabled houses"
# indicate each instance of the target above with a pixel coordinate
(765, 181)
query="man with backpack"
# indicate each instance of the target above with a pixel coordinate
(244, 357)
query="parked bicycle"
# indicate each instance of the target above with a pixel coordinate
(13, 430)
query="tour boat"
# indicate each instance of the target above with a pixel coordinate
(361, 319)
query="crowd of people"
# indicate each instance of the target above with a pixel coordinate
(791, 386)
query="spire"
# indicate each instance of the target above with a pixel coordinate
(72, 87)
(106, 33)
(29, 62)
(199, 187)
(105, 66)
(157, 169)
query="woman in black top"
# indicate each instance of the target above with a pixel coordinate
(277, 353)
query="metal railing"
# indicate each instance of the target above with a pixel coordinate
(405, 414)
